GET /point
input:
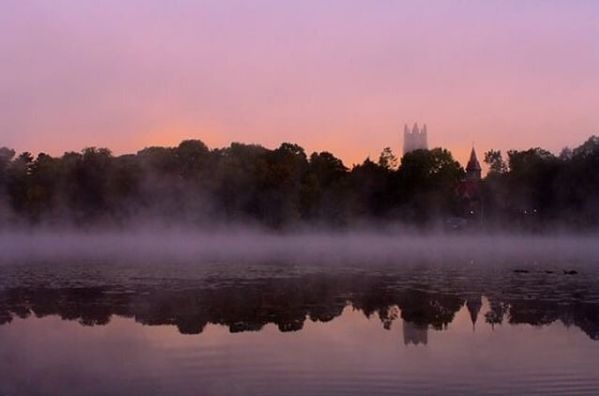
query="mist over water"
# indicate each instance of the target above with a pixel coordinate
(292, 263)
(245, 244)
(268, 265)
(243, 311)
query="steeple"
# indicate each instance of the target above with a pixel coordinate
(474, 305)
(473, 169)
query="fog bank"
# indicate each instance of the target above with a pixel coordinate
(246, 245)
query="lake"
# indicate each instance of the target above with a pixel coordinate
(290, 327)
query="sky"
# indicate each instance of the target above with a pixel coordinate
(336, 75)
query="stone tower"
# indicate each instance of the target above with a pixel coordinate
(416, 139)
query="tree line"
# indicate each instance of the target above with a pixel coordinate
(284, 187)
(535, 189)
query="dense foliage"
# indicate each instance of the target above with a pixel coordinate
(535, 189)
(193, 185)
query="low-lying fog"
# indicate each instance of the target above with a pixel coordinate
(249, 245)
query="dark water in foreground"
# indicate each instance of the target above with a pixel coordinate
(112, 328)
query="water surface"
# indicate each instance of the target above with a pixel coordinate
(97, 327)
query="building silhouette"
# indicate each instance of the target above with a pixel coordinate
(469, 192)
(414, 334)
(473, 168)
(474, 304)
(415, 139)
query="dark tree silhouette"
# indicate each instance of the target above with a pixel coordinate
(193, 185)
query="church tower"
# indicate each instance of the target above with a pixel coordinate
(469, 191)
(416, 139)
(473, 169)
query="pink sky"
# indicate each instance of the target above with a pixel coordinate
(336, 75)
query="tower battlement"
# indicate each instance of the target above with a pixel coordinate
(414, 139)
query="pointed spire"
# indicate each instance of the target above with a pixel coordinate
(473, 168)
(474, 305)
(423, 137)
(415, 128)
(473, 164)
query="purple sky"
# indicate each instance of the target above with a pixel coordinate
(335, 75)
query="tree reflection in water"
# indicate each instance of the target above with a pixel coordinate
(250, 304)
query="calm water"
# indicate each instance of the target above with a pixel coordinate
(280, 328)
